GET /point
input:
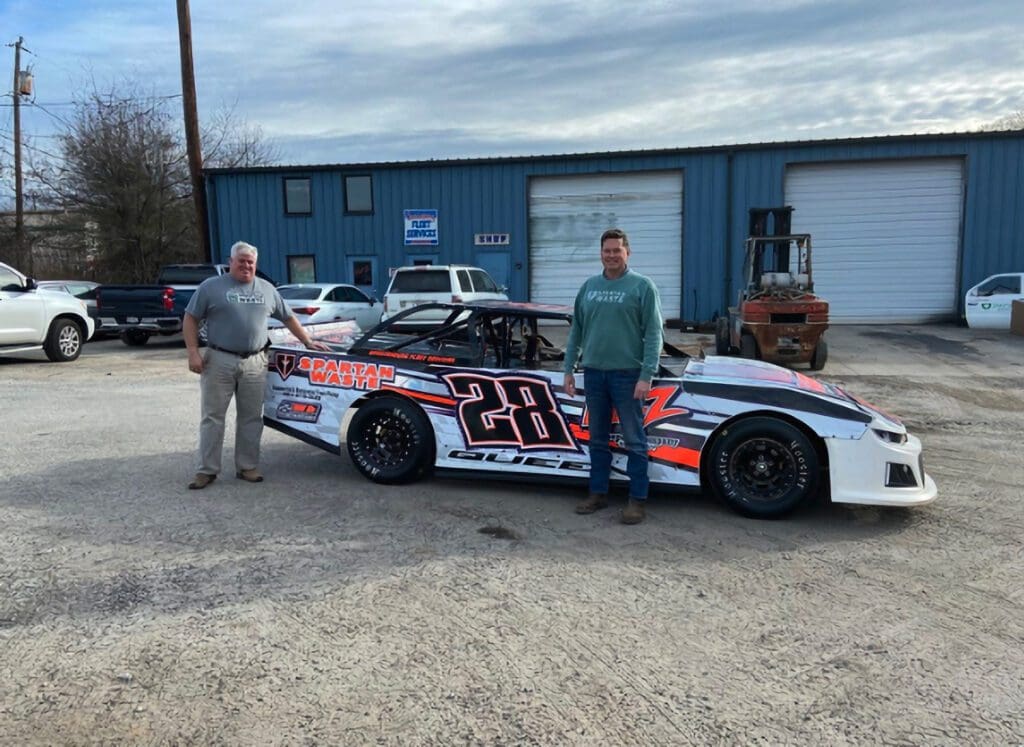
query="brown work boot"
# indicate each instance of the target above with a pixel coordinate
(633, 513)
(594, 502)
(249, 475)
(201, 481)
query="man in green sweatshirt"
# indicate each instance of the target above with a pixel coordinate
(616, 335)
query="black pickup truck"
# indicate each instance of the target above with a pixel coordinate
(140, 311)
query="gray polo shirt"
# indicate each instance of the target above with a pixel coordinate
(236, 313)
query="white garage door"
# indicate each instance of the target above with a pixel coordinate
(568, 214)
(886, 236)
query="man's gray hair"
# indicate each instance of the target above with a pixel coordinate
(241, 247)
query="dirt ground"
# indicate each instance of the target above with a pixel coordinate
(319, 608)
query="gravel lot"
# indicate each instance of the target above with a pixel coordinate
(319, 608)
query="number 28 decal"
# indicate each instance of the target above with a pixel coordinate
(509, 411)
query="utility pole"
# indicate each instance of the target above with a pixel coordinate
(19, 198)
(188, 99)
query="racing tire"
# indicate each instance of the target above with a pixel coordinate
(820, 356)
(64, 341)
(722, 344)
(390, 441)
(748, 347)
(134, 337)
(763, 467)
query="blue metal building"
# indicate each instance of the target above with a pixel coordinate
(901, 225)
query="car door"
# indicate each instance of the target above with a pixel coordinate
(358, 305)
(22, 312)
(987, 305)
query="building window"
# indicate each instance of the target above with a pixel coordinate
(362, 272)
(301, 268)
(298, 198)
(359, 195)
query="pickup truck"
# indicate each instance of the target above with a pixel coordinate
(140, 311)
(57, 323)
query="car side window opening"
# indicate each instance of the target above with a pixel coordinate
(348, 295)
(81, 291)
(356, 296)
(10, 282)
(999, 285)
(482, 282)
(465, 285)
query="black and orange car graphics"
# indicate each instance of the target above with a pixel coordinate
(481, 393)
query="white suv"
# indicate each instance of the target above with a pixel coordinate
(412, 286)
(58, 323)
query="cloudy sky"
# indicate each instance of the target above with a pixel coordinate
(346, 82)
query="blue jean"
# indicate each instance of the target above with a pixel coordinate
(604, 391)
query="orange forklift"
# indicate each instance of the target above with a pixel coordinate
(777, 316)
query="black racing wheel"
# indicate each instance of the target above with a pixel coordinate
(390, 441)
(763, 467)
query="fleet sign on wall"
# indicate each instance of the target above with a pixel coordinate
(420, 227)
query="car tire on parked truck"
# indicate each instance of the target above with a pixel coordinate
(63, 340)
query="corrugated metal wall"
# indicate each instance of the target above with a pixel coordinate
(490, 196)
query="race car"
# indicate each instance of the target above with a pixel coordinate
(482, 393)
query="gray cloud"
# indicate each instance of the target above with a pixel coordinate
(413, 79)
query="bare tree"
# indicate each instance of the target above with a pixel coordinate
(229, 142)
(122, 179)
(1013, 121)
(123, 173)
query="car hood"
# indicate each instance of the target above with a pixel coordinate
(742, 371)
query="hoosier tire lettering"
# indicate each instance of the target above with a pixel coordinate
(390, 441)
(763, 467)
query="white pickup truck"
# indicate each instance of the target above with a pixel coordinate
(57, 323)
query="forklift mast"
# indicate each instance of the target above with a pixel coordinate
(767, 222)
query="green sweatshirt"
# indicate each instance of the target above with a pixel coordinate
(616, 325)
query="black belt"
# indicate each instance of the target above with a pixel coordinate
(249, 354)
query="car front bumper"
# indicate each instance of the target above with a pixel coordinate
(865, 471)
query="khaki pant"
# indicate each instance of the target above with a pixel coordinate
(225, 376)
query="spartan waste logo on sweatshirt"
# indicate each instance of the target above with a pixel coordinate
(252, 296)
(606, 296)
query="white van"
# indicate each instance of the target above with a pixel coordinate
(419, 284)
(987, 305)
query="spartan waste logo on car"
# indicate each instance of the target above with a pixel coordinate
(343, 374)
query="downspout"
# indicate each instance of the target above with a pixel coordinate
(213, 219)
(727, 289)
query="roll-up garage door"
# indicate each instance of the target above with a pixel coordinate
(886, 236)
(568, 214)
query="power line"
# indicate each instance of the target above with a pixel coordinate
(32, 147)
(81, 103)
(51, 114)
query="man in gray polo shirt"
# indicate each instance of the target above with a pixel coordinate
(236, 307)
